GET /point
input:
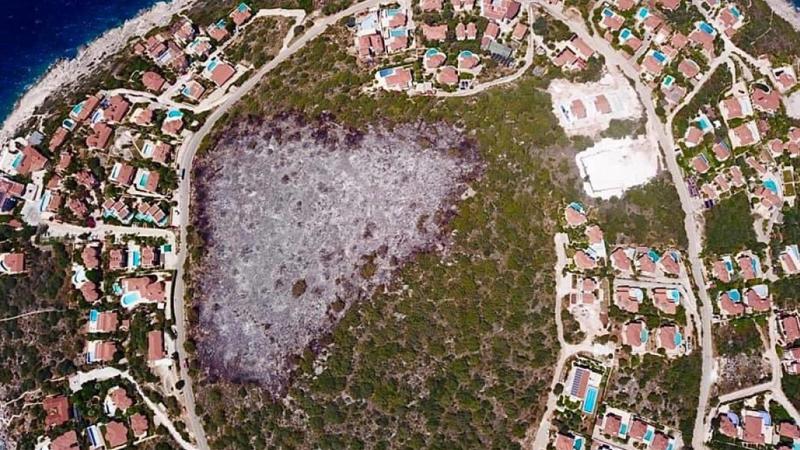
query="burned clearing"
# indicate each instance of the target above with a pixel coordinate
(300, 219)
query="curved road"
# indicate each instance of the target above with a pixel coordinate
(185, 158)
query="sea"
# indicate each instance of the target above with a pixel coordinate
(34, 34)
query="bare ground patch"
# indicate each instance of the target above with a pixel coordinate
(301, 219)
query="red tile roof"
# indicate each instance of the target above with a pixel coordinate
(56, 409)
(155, 345)
(116, 434)
(66, 441)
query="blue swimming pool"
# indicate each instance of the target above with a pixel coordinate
(465, 54)
(431, 52)
(383, 73)
(668, 80)
(94, 315)
(623, 429)
(644, 335)
(643, 13)
(130, 299)
(678, 338)
(771, 185)
(143, 180)
(660, 57)
(735, 11)
(577, 444)
(391, 12)
(242, 7)
(674, 295)
(136, 259)
(705, 27)
(704, 123)
(397, 32)
(174, 114)
(625, 34)
(590, 401)
(607, 12)
(648, 435)
(734, 295)
(76, 109)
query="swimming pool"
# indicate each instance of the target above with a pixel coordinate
(607, 12)
(648, 436)
(465, 54)
(674, 295)
(623, 429)
(174, 114)
(383, 73)
(143, 179)
(76, 109)
(625, 34)
(94, 315)
(397, 32)
(771, 185)
(590, 401)
(734, 295)
(130, 299)
(644, 335)
(643, 13)
(577, 444)
(242, 7)
(668, 80)
(69, 124)
(431, 52)
(660, 57)
(678, 339)
(79, 277)
(707, 28)
(391, 12)
(704, 123)
(735, 11)
(116, 288)
(135, 259)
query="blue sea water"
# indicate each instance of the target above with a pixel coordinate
(36, 33)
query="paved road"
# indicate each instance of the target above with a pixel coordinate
(690, 207)
(185, 159)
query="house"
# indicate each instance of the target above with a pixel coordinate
(369, 46)
(102, 322)
(575, 214)
(115, 109)
(183, 30)
(193, 90)
(23, 162)
(729, 425)
(500, 10)
(431, 5)
(155, 346)
(749, 266)
(757, 424)
(578, 109)
(758, 298)
(647, 262)
(635, 335)
(790, 328)
(519, 32)
(467, 60)
(679, 41)
(721, 151)
(241, 14)
(744, 135)
(219, 72)
(611, 20)
(173, 124)
(730, 19)
(101, 134)
(462, 5)
(395, 78)
(700, 164)
(704, 36)
(621, 261)
(56, 409)
(670, 263)
(434, 32)
(121, 173)
(116, 434)
(448, 76)
(669, 338)
(200, 47)
(139, 425)
(688, 68)
(565, 442)
(84, 109)
(150, 257)
(785, 77)
(58, 138)
(737, 107)
(143, 289)
(117, 259)
(581, 48)
(693, 136)
(611, 424)
(218, 30)
(565, 58)
(119, 210)
(766, 99)
(628, 298)
(100, 351)
(116, 400)
(583, 261)
(90, 292)
(653, 63)
(667, 299)
(602, 105)
(790, 259)
(66, 441)
(674, 93)
(142, 117)
(12, 263)
(146, 180)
